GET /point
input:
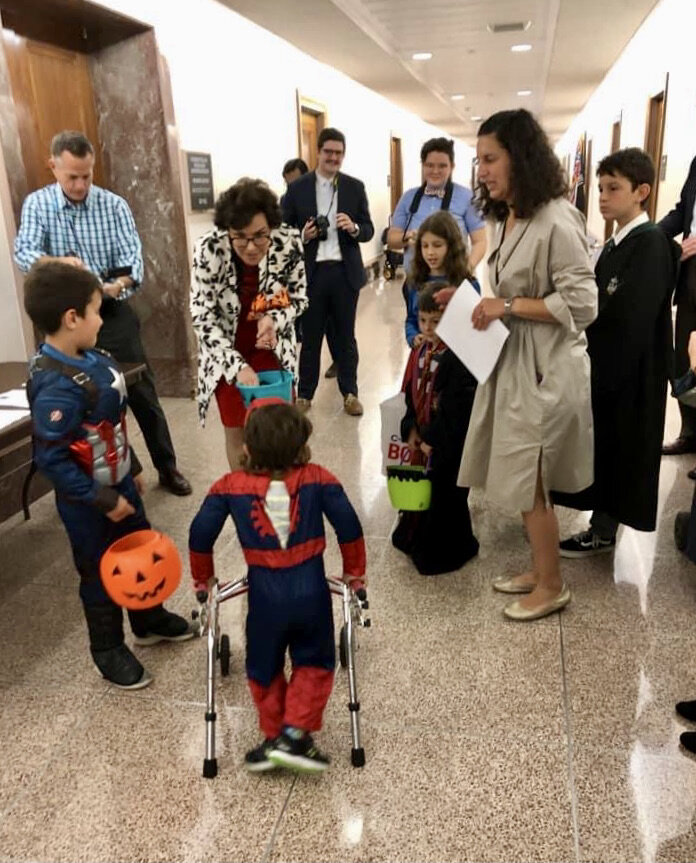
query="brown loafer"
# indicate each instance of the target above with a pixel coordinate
(515, 611)
(506, 584)
(352, 406)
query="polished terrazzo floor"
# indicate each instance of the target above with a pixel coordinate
(486, 740)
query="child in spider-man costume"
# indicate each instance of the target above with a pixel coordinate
(277, 504)
(78, 403)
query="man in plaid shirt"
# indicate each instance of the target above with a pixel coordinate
(84, 225)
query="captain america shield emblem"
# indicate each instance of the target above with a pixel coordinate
(56, 416)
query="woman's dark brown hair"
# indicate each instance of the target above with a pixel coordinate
(536, 175)
(456, 263)
(236, 207)
(276, 437)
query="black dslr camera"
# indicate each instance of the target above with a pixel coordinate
(322, 225)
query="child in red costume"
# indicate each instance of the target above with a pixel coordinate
(277, 503)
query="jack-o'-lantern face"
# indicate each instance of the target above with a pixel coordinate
(141, 570)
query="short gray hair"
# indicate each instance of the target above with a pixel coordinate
(74, 142)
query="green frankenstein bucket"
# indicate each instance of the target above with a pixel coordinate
(409, 488)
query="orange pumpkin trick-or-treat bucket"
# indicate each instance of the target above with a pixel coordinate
(141, 570)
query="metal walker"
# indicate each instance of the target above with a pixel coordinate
(218, 648)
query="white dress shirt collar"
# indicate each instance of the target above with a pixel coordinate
(626, 230)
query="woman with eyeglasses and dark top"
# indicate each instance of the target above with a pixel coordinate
(248, 286)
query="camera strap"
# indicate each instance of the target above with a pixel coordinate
(334, 185)
(445, 202)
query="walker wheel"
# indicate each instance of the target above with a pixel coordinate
(224, 655)
(343, 647)
(681, 530)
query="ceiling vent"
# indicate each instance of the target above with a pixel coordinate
(510, 27)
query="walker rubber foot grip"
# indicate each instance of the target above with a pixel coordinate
(357, 757)
(210, 768)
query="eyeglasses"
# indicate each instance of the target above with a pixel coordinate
(338, 153)
(259, 240)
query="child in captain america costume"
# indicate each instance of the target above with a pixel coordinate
(277, 503)
(77, 397)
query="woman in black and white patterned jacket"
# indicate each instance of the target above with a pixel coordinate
(248, 286)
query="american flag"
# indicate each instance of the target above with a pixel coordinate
(577, 183)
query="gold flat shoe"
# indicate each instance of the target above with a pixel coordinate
(515, 611)
(506, 584)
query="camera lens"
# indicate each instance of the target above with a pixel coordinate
(322, 225)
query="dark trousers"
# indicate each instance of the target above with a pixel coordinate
(90, 533)
(120, 336)
(331, 299)
(329, 336)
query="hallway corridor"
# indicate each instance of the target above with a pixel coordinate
(486, 740)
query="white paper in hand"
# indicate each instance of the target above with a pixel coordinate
(477, 349)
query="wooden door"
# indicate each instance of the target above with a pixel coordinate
(312, 123)
(615, 145)
(588, 174)
(396, 172)
(52, 91)
(654, 135)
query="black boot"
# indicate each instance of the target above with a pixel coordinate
(111, 656)
(688, 741)
(687, 709)
(157, 624)
(120, 667)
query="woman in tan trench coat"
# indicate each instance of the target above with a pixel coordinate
(531, 425)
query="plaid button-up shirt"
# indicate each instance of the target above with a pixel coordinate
(100, 231)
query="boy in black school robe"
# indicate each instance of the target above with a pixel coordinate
(630, 348)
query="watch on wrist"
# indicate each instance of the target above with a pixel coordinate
(356, 229)
(507, 306)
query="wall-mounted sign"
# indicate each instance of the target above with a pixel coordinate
(200, 177)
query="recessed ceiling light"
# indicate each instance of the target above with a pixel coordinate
(477, 117)
(457, 97)
(520, 49)
(524, 92)
(422, 55)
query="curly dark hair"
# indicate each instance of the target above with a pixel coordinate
(456, 263)
(536, 175)
(236, 207)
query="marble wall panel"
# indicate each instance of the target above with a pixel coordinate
(142, 167)
(10, 140)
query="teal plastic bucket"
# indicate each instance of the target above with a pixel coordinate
(272, 385)
(409, 488)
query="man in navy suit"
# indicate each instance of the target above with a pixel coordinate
(332, 212)
(682, 220)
